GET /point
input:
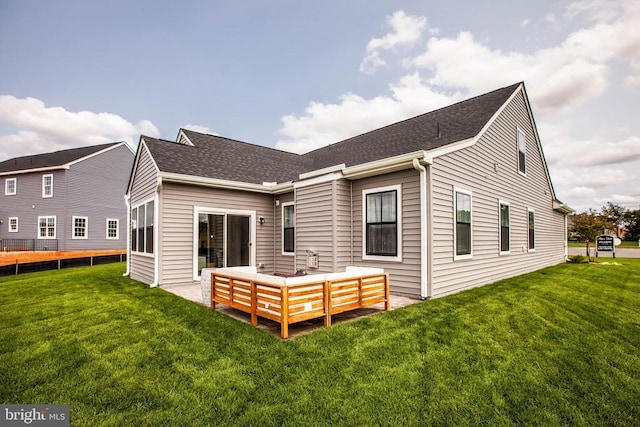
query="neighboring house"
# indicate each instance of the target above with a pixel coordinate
(445, 201)
(66, 200)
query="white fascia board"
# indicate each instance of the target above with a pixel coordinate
(142, 145)
(23, 171)
(388, 165)
(221, 183)
(334, 176)
(323, 171)
(562, 208)
(450, 148)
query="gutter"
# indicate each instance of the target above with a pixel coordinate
(268, 188)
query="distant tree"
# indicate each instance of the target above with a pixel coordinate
(589, 225)
(632, 220)
(615, 215)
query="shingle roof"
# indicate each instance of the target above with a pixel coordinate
(51, 160)
(227, 159)
(435, 129)
(222, 158)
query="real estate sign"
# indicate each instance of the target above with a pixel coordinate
(604, 243)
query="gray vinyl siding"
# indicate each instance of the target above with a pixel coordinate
(141, 267)
(314, 226)
(343, 224)
(405, 276)
(28, 204)
(93, 188)
(96, 188)
(489, 169)
(176, 233)
(283, 263)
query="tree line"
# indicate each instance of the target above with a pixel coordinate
(622, 222)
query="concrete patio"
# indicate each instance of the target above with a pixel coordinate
(193, 292)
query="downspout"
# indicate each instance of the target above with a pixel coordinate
(127, 202)
(156, 233)
(424, 253)
(351, 221)
(273, 234)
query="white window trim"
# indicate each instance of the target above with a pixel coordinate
(55, 227)
(524, 136)
(155, 220)
(500, 204)
(6, 186)
(530, 210)
(457, 257)
(46, 196)
(398, 257)
(282, 228)
(9, 225)
(73, 227)
(106, 232)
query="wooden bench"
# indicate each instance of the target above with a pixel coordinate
(295, 299)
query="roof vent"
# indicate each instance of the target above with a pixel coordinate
(438, 130)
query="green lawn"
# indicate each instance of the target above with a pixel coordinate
(558, 346)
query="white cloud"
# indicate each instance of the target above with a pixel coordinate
(525, 22)
(44, 129)
(199, 128)
(406, 31)
(559, 78)
(326, 123)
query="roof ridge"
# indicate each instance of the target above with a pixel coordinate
(242, 142)
(105, 145)
(414, 117)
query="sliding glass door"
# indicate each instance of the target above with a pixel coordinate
(222, 239)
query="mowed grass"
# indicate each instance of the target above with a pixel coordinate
(558, 346)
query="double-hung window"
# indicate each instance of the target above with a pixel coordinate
(10, 186)
(142, 226)
(47, 185)
(288, 228)
(382, 224)
(505, 234)
(532, 229)
(80, 230)
(112, 229)
(463, 232)
(522, 152)
(46, 227)
(13, 224)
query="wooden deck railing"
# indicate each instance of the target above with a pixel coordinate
(296, 302)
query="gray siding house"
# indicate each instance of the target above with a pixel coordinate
(445, 201)
(66, 200)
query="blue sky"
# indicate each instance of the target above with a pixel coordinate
(297, 75)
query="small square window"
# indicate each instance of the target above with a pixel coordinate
(13, 225)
